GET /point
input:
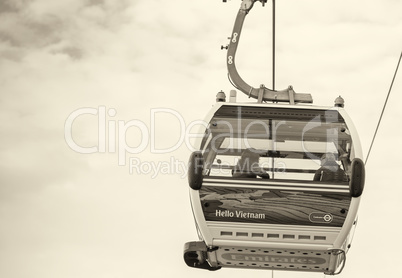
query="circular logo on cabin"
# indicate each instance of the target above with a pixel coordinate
(321, 217)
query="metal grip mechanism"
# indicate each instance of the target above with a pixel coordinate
(286, 95)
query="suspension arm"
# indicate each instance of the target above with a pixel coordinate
(262, 93)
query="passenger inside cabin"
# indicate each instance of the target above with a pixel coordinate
(248, 166)
(330, 171)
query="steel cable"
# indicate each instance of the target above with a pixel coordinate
(383, 109)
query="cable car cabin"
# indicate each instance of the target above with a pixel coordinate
(275, 187)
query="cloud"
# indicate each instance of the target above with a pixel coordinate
(59, 56)
(58, 27)
(45, 53)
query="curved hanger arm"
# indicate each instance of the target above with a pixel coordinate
(262, 93)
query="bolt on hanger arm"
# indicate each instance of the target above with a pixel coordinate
(262, 93)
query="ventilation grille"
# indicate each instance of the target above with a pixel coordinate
(273, 236)
(316, 261)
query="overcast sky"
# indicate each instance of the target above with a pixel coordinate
(68, 214)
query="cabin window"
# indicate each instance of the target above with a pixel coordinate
(287, 144)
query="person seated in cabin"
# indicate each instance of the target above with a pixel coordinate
(248, 166)
(330, 171)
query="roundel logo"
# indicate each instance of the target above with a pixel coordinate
(321, 217)
(328, 218)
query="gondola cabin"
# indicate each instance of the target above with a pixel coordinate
(275, 186)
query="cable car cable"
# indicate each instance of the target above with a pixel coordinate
(273, 45)
(383, 109)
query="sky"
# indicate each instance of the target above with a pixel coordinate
(97, 94)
